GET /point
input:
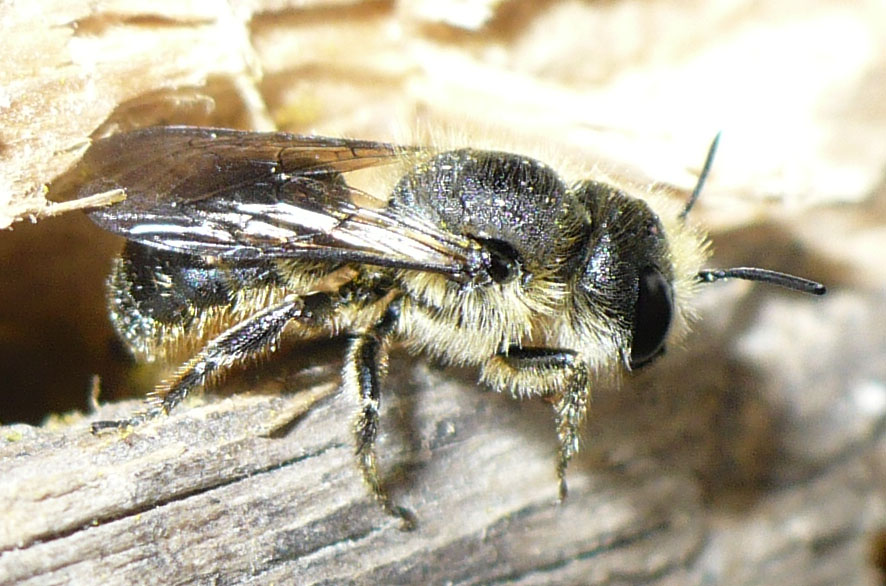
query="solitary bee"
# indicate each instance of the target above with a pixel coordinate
(483, 258)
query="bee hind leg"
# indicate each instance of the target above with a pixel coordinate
(259, 333)
(364, 370)
(549, 372)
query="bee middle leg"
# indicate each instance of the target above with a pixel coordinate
(365, 367)
(259, 333)
(549, 372)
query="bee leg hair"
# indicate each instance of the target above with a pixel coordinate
(365, 367)
(249, 338)
(548, 372)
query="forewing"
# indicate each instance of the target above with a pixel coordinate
(245, 195)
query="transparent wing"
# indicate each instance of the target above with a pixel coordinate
(247, 195)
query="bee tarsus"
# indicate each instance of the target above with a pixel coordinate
(364, 370)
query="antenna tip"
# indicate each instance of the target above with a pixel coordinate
(763, 276)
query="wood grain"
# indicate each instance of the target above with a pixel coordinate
(694, 472)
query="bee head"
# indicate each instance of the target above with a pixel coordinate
(627, 272)
(625, 275)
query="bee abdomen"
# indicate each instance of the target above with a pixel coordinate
(155, 297)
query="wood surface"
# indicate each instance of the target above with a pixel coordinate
(697, 471)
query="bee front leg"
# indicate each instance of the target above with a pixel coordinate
(365, 367)
(257, 334)
(549, 372)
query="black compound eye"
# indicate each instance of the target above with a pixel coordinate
(652, 317)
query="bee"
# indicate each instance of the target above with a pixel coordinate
(483, 258)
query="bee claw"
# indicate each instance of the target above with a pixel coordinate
(99, 427)
(408, 520)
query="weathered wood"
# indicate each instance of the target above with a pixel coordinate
(694, 471)
(211, 494)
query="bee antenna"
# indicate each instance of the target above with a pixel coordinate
(764, 276)
(703, 176)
